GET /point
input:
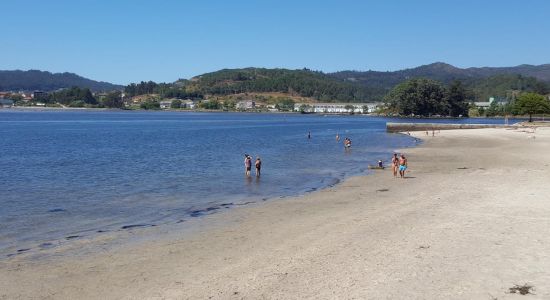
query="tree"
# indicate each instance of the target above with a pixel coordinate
(350, 108)
(493, 110)
(150, 104)
(15, 97)
(304, 108)
(285, 104)
(456, 99)
(421, 97)
(213, 104)
(176, 104)
(532, 103)
(113, 100)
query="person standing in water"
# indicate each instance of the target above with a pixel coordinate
(337, 137)
(402, 165)
(395, 164)
(258, 165)
(309, 135)
(247, 164)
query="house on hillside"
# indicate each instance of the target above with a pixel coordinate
(189, 104)
(165, 104)
(245, 105)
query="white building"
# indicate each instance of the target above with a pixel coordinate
(246, 104)
(484, 104)
(165, 104)
(337, 108)
(189, 104)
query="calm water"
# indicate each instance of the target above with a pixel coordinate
(78, 173)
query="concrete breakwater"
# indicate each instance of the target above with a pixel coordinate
(400, 127)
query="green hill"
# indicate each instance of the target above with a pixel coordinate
(303, 83)
(32, 80)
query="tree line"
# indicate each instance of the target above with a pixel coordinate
(425, 97)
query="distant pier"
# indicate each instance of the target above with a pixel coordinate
(401, 127)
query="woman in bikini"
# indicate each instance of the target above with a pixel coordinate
(395, 164)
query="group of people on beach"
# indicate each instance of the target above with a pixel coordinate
(248, 165)
(347, 141)
(399, 164)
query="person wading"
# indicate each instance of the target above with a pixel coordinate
(258, 165)
(247, 164)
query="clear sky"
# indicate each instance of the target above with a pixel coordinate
(123, 41)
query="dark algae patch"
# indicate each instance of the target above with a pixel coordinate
(521, 289)
(135, 226)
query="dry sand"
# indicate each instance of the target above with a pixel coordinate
(471, 220)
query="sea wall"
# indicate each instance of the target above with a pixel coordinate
(401, 127)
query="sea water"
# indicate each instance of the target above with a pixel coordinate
(66, 174)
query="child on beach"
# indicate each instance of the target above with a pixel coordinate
(402, 165)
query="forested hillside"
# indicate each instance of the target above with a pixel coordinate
(304, 83)
(484, 82)
(45, 81)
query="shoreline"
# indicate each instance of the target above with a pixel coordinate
(457, 228)
(129, 233)
(36, 108)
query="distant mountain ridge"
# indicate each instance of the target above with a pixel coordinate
(31, 80)
(439, 71)
(338, 86)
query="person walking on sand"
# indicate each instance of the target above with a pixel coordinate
(402, 165)
(258, 165)
(247, 164)
(395, 164)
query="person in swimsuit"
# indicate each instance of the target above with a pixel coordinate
(337, 137)
(395, 164)
(347, 143)
(258, 165)
(247, 164)
(402, 165)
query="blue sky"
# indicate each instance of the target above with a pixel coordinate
(123, 41)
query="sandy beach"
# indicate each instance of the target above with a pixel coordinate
(470, 221)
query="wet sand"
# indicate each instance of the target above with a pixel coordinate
(471, 220)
